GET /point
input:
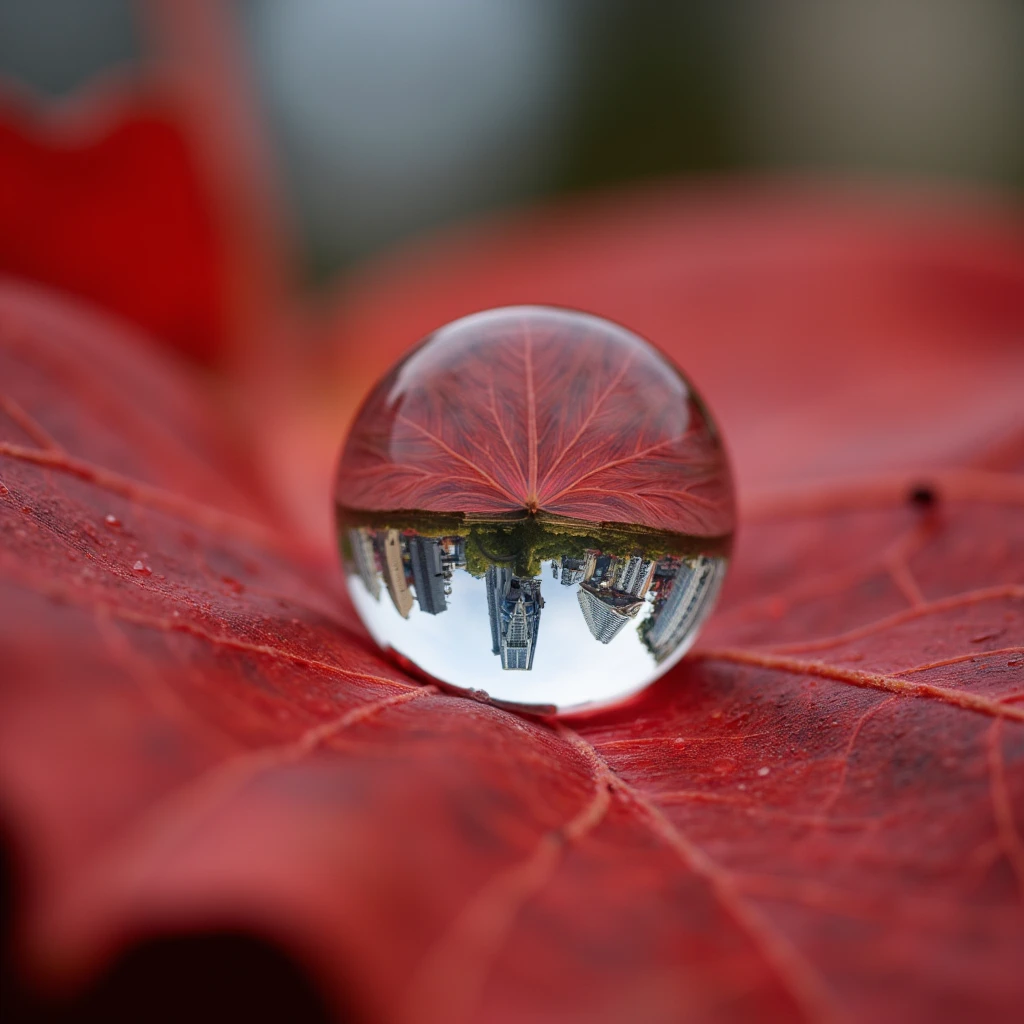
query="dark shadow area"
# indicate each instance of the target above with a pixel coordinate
(221, 976)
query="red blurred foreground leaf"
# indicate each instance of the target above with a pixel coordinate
(817, 816)
(540, 409)
(106, 202)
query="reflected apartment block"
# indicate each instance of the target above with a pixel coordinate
(693, 589)
(635, 576)
(428, 573)
(513, 606)
(606, 611)
(365, 559)
(393, 570)
(572, 570)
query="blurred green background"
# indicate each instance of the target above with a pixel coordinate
(391, 117)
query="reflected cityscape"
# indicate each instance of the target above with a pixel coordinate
(468, 607)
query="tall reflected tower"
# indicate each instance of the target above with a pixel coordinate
(394, 572)
(693, 590)
(428, 577)
(513, 605)
(361, 542)
(605, 611)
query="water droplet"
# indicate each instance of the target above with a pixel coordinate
(535, 503)
(763, 771)
(141, 568)
(232, 585)
(4, 491)
(112, 521)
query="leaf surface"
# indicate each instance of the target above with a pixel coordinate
(817, 816)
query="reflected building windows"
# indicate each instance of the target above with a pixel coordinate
(605, 611)
(513, 607)
(693, 588)
(365, 558)
(393, 569)
(572, 570)
(635, 576)
(662, 596)
(428, 574)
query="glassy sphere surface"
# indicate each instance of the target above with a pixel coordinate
(534, 507)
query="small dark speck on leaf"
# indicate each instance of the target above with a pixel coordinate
(922, 495)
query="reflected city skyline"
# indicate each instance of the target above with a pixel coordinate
(448, 600)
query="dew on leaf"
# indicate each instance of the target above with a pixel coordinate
(112, 521)
(141, 568)
(535, 500)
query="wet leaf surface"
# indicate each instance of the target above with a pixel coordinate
(818, 815)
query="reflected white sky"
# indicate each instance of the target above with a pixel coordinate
(570, 667)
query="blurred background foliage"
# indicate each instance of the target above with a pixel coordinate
(391, 117)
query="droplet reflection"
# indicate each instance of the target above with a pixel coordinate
(552, 617)
(535, 505)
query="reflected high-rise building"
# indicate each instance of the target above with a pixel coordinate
(428, 575)
(453, 552)
(605, 611)
(635, 576)
(497, 579)
(693, 589)
(572, 570)
(513, 606)
(361, 542)
(393, 567)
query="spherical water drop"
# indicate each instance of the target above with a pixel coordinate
(535, 505)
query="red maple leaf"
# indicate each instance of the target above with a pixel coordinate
(818, 815)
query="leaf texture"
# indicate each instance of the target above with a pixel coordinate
(817, 816)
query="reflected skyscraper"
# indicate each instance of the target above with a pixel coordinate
(428, 577)
(635, 576)
(605, 611)
(513, 606)
(394, 572)
(693, 589)
(572, 570)
(361, 542)
(439, 583)
(497, 578)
